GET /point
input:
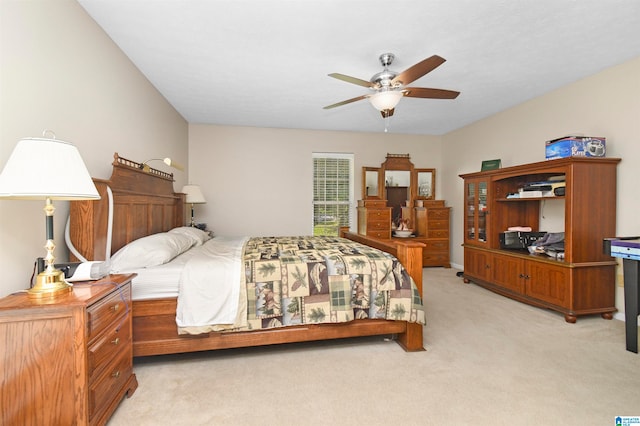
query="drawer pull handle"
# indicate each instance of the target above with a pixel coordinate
(115, 341)
(116, 307)
(115, 374)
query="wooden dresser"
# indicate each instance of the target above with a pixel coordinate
(374, 218)
(68, 361)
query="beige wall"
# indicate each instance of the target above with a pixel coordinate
(606, 104)
(59, 71)
(259, 181)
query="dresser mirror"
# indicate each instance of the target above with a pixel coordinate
(371, 183)
(397, 188)
(426, 181)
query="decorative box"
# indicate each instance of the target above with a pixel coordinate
(575, 146)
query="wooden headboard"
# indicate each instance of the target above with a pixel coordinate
(144, 203)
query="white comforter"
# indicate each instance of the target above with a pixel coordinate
(210, 284)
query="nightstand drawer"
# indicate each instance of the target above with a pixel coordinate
(108, 310)
(116, 338)
(102, 390)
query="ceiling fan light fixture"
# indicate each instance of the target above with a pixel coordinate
(386, 99)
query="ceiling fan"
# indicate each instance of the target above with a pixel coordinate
(389, 86)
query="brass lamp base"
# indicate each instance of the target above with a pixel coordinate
(49, 284)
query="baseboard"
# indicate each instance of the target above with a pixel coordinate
(620, 316)
(456, 266)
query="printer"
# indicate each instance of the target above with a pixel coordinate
(519, 239)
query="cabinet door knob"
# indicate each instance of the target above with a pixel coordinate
(116, 341)
(115, 374)
(115, 307)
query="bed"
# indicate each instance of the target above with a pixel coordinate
(145, 204)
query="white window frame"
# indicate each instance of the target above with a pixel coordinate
(333, 155)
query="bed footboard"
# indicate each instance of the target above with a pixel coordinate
(155, 332)
(409, 253)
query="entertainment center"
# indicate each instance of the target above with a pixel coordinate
(581, 283)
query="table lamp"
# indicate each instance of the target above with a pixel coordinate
(47, 169)
(194, 196)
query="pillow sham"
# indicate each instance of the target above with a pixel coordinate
(197, 235)
(152, 250)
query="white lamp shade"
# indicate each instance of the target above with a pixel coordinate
(387, 99)
(194, 194)
(41, 168)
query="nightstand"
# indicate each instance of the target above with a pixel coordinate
(68, 360)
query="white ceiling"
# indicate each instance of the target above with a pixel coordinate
(264, 63)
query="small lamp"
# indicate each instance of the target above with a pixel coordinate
(168, 161)
(47, 169)
(194, 196)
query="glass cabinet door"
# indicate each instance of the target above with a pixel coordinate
(476, 210)
(470, 211)
(482, 212)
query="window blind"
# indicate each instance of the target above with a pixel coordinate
(332, 192)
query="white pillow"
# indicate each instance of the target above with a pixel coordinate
(197, 235)
(156, 249)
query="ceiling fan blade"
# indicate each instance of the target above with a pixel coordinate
(418, 70)
(422, 92)
(348, 101)
(352, 80)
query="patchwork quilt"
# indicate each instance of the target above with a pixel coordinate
(301, 280)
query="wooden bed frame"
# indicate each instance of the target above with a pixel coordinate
(144, 203)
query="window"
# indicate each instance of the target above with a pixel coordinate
(332, 192)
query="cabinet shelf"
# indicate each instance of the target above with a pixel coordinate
(511, 200)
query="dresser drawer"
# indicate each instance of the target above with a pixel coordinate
(438, 233)
(438, 214)
(438, 224)
(110, 382)
(373, 214)
(108, 310)
(115, 339)
(437, 246)
(379, 234)
(377, 225)
(435, 259)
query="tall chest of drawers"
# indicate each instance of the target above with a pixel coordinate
(432, 223)
(68, 360)
(374, 218)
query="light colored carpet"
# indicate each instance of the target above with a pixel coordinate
(489, 361)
